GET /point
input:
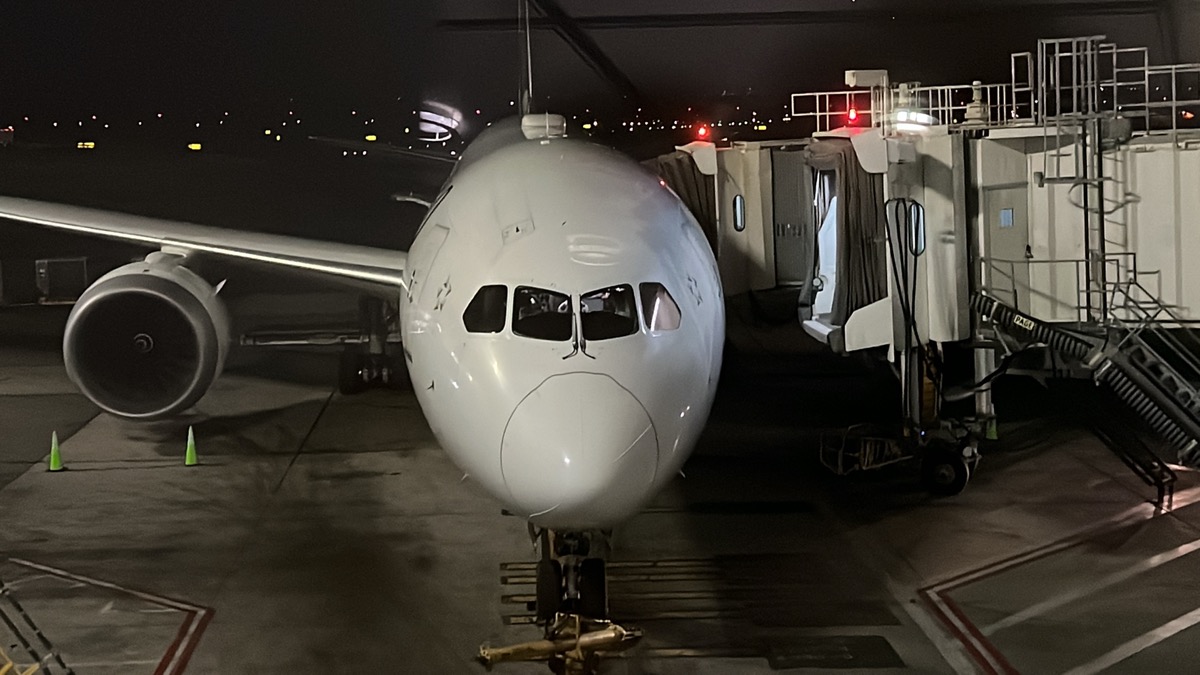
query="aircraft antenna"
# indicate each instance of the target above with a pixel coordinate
(523, 28)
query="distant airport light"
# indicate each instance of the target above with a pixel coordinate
(702, 132)
(86, 145)
(587, 125)
(760, 127)
(194, 147)
(278, 137)
(1188, 114)
(266, 132)
(852, 116)
(371, 138)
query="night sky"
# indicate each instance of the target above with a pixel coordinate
(122, 58)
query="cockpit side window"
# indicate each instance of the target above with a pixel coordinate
(542, 314)
(608, 313)
(658, 307)
(487, 311)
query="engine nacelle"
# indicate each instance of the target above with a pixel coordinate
(147, 339)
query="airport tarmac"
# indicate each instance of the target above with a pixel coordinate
(321, 533)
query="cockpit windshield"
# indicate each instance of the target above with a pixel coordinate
(659, 308)
(608, 313)
(542, 314)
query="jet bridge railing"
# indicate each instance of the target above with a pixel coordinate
(973, 105)
(1056, 289)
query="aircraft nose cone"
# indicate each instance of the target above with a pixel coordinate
(579, 451)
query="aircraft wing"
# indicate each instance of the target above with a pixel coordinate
(360, 263)
(384, 149)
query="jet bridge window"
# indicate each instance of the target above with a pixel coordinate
(487, 311)
(608, 313)
(659, 308)
(542, 314)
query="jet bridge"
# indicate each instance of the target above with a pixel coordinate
(994, 218)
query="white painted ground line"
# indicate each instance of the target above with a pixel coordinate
(1079, 592)
(1137, 644)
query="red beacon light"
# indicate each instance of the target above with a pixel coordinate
(852, 115)
(702, 132)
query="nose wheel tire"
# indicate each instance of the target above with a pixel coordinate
(593, 589)
(549, 589)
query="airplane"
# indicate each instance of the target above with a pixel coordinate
(560, 312)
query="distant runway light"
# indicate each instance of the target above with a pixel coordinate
(93, 117)
(278, 137)
(194, 147)
(267, 132)
(371, 138)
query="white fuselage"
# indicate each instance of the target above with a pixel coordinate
(569, 432)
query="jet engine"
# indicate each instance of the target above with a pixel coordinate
(147, 339)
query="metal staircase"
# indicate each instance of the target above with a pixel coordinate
(1144, 356)
(1155, 367)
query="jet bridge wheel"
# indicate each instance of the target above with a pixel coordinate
(945, 470)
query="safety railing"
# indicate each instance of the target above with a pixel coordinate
(1057, 289)
(1143, 316)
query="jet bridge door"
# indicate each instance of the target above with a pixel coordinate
(795, 231)
(1006, 238)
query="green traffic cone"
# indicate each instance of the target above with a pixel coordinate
(189, 458)
(55, 456)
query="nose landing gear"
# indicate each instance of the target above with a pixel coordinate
(571, 606)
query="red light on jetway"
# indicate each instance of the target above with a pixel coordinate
(852, 115)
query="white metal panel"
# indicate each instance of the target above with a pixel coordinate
(1189, 237)
(947, 247)
(1157, 233)
(746, 259)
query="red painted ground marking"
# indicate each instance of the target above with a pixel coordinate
(937, 599)
(196, 618)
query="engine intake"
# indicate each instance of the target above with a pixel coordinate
(147, 339)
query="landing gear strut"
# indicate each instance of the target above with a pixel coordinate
(361, 369)
(571, 607)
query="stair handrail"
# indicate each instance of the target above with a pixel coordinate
(1183, 345)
